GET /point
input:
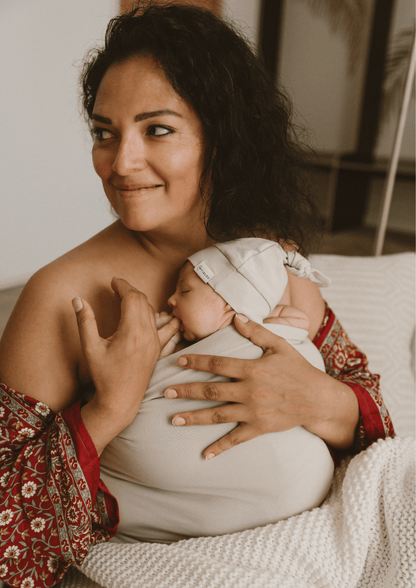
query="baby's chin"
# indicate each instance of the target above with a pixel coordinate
(190, 337)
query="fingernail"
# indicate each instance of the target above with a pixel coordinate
(242, 318)
(182, 361)
(178, 421)
(77, 304)
(210, 456)
(169, 393)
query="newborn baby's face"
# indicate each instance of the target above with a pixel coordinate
(201, 310)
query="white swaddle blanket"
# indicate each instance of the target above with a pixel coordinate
(165, 489)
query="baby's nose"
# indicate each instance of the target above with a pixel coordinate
(171, 301)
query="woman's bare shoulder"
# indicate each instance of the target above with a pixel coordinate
(40, 350)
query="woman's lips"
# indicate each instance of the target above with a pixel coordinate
(131, 192)
(133, 188)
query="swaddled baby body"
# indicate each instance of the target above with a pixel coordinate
(165, 489)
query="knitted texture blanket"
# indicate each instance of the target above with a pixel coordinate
(362, 536)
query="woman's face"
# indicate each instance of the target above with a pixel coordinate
(148, 148)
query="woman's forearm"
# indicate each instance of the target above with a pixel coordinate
(348, 367)
(338, 414)
(103, 425)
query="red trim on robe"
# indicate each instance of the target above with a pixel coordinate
(346, 363)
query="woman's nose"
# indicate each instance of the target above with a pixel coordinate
(130, 157)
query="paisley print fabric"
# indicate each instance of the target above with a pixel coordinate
(345, 362)
(52, 503)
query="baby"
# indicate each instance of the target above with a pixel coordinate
(203, 304)
(166, 490)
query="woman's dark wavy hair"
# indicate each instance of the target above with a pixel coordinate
(255, 179)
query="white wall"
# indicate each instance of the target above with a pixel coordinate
(50, 200)
(246, 14)
(313, 65)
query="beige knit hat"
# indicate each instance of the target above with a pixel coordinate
(250, 274)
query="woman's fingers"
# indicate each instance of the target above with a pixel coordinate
(231, 367)
(221, 366)
(258, 335)
(217, 415)
(135, 309)
(212, 391)
(87, 325)
(240, 434)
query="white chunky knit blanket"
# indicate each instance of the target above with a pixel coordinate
(362, 536)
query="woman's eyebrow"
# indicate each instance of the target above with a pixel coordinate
(145, 115)
(138, 117)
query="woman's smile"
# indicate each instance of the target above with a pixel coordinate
(131, 191)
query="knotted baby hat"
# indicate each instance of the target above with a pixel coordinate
(250, 273)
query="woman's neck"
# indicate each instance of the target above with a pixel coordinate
(171, 250)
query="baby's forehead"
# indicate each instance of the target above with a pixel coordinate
(187, 273)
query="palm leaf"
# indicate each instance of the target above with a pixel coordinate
(345, 17)
(396, 70)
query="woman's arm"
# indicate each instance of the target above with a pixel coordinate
(53, 505)
(52, 502)
(39, 349)
(346, 363)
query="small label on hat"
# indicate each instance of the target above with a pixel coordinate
(204, 271)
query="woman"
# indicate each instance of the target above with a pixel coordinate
(193, 145)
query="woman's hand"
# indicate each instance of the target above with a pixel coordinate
(120, 366)
(279, 391)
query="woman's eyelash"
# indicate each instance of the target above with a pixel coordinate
(155, 130)
(98, 133)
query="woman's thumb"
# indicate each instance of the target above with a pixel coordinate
(87, 325)
(257, 333)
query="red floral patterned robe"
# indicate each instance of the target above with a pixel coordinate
(53, 505)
